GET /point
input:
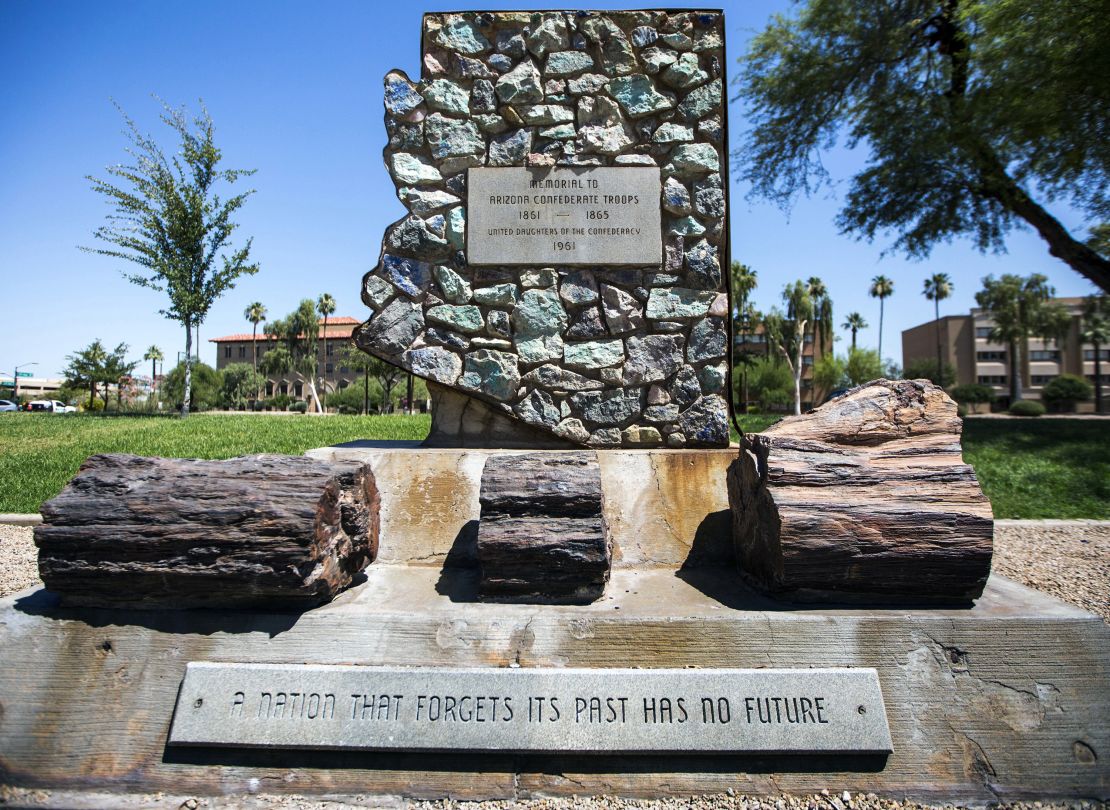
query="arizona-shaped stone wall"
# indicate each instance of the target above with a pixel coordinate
(600, 355)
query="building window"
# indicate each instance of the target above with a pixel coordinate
(1041, 379)
(992, 379)
(983, 332)
(227, 352)
(1091, 378)
(330, 347)
(284, 388)
(269, 388)
(242, 352)
(1045, 354)
(328, 368)
(1103, 354)
(807, 360)
(989, 356)
(343, 370)
(808, 338)
(298, 389)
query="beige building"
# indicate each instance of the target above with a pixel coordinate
(239, 348)
(966, 345)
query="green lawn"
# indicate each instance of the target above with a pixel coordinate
(43, 451)
(1034, 468)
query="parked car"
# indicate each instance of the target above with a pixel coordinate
(8, 405)
(52, 405)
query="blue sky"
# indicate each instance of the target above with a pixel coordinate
(295, 91)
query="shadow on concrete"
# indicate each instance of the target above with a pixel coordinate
(554, 764)
(199, 621)
(381, 444)
(458, 578)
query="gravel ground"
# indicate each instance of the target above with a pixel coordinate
(1070, 561)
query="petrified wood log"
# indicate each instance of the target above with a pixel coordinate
(542, 534)
(262, 531)
(865, 499)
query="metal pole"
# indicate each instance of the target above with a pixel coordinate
(15, 380)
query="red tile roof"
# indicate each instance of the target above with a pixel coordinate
(342, 320)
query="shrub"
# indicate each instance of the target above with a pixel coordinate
(1062, 393)
(925, 368)
(279, 402)
(93, 405)
(1027, 407)
(972, 394)
(300, 406)
(863, 366)
(961, 410)
(771, 383)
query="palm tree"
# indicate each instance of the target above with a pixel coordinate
(1095, 329)
(938, 287)
(854, 322)
(256, 314)
(1021, 308)
(325, 305)
(881, 288)
(822, 315)
(743, 280)
(155, 356)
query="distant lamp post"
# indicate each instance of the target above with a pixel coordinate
(15, 380)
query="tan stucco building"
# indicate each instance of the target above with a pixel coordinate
(966, 345)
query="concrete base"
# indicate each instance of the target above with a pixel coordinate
(1004, 699)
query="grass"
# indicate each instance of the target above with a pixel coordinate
(41, 452)
(1035, 468)
(1042, 468)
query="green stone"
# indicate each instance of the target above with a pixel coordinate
(686, 226)
(673, 133)
(521, 84)
(413, 169)
(699, 103)
(567, 63)
(456, 227)
(462, 35)
(637, 95)
(448, 137)
(594, 353)
(538, 322)
(559, 132)
(666, 303)
(545, 114)
(455, 288)
(695, 158)
(683, 74)
(466, 318)
(446, 96)
(491, 372)
(499, 295)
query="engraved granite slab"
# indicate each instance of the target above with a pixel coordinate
(532, 710)
(581, 216)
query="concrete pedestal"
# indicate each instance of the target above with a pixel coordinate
(1004, 699)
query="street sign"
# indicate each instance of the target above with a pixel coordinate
(24, 374)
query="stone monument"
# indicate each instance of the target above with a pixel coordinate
(565, 176)
(509, 623)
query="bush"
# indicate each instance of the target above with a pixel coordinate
(1027, 407)
(93, 405)
(279, 402)
(300, 406)
(206, 388)
(1062, 393)
(771, 383)
(925, 368)
(961, 410)
(972, 394)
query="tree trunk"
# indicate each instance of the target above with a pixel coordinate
(940, 373)
(880, 329)
(324, 376)
(366, 394)
(312, 391)
(1098, 378)
(854, 341)
(864, 499)
(408, 395)
(188, 367)
(273, 531)
(1016, 392)
(254, 350)
(542, 535)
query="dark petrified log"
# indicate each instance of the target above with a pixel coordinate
(262, 531)
(542, 535)
(865, 499)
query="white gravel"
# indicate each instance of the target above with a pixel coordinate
(18, 560)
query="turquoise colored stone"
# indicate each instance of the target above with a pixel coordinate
(462, 35)
(491, 372)
(466, 318)
(637, 95)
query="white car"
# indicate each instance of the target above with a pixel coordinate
(52, 405)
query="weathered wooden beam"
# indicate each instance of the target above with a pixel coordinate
(542, 534)
(271, 531)
(865, 499)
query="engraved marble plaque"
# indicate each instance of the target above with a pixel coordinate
(532, 710)
(564, 216)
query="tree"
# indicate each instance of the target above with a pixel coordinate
(256, 314)
(787, 332)
(1095, 329)
(155, 356)
(938, 287)
(168, 217)
(353, 357)
(972, 394)
(1020, 308)
(743, 280)
(387, 375)
(822, 315)
(86, 368)
(828, 375)
(864, 365)
(925, 368)
(325, 305)
(296, 351)
(205, 391)
(772, 384)
(881, 288)
(854, 322)
(967, 108)
(240, 381)
(117, 371)
(1063, 392)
